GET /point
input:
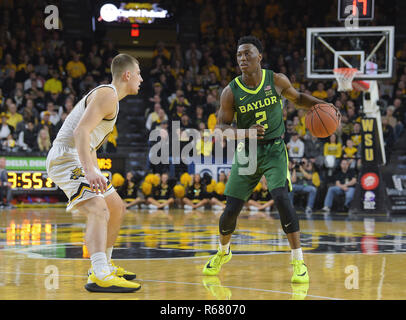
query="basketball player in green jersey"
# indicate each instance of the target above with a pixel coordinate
(255, 98)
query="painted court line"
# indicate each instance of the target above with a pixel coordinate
(181, 283)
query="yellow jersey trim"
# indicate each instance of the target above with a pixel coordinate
(249, 90)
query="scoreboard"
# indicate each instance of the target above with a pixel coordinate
(365, 9)
(28, 174)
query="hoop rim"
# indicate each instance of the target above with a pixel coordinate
(349, 71)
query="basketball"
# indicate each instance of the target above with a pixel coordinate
(322, 120)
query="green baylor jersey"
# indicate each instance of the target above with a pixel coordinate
(262, 105)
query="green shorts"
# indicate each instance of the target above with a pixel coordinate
(272, 161)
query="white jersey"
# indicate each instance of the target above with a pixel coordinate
(99, 134)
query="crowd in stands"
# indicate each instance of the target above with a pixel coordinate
(42, 76)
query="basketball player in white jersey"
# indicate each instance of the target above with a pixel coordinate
(72, 165)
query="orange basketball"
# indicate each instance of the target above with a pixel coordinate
(322, 120)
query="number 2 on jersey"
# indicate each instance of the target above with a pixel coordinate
(261, 117)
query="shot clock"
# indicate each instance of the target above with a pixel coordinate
(365, 9)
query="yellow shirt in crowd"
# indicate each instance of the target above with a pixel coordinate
(333, 149)
(53, 85)
(350, 152)
(76, 69)
(320, 94)
(14, 119)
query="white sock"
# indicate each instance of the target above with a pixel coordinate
(109, 252)
(297, 254)
(224, 247)
(100, 265)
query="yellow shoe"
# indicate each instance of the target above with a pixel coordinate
(300, 273)
(121, 272)
(213, 285)
(213, 266)
(110, 283)
(299, 291)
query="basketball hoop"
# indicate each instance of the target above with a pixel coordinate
(344, 77)
(360, 85)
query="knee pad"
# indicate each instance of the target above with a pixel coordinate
(228, 219)
(289, 220)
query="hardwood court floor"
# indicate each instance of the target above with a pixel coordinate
(42, 257)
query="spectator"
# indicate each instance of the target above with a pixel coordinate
(344, 185)
(161, 195)
(346, 127)
(128, 191)
(9, 83)
(179, 100)
(75, 68)
(314, 150)
(29, 108)
(9, 145)
(54, 115)
(42, 67)
(400, 111)
(305, 180)
(18, 97)
(290, 129)
(162, 52)
(33, 80)
(44, 140)
(5, 128)
(13, 116)
(262, 199)
(295, 147)
(196, 195)
(218, 199)
(320, 93)
(349, 150)
(27, 137)
(53, 84)
(5, 186)
(193, 53)
(46, 123)
(333, 147)
(388, 135)
(153, 116)
(199, 117)
(162, 120)
(356, 135)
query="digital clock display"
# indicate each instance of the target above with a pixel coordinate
(364, 8)
(36, 180)
(30, 180)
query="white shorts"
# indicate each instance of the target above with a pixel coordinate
(64, 168)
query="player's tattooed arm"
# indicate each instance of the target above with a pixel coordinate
(225, 118)
(300, 99)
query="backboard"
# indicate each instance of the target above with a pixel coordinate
(369, 49)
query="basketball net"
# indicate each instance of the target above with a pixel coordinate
(344, 77)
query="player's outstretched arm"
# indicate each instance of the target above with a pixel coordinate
(101, 104)
(300, 99)
(225, 118)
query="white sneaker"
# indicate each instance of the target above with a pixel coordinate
(308, 211)
(326, 210)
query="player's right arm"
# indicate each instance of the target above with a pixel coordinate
(225, 118)
(101, 104)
